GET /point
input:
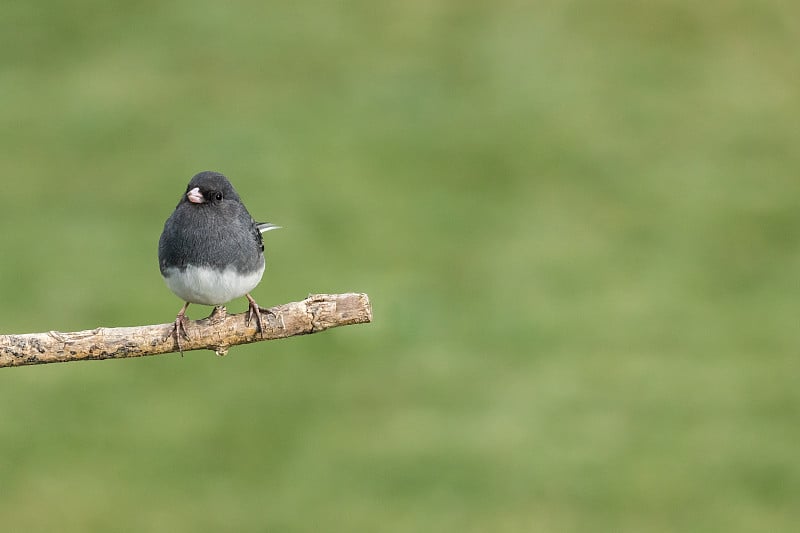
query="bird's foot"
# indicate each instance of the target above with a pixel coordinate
(179, 329)
(255, 311)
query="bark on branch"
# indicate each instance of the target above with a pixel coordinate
(218, 332)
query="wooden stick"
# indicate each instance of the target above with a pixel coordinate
(218, 332)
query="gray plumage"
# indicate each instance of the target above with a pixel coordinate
(216, 233)
(211, 249)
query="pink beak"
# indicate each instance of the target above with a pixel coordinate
(194, 196)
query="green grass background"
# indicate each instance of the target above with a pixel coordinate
(577, 221)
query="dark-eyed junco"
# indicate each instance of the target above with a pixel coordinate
(211, 250)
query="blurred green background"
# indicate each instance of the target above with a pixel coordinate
(577, 221)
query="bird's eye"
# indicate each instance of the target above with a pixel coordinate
(218, 196)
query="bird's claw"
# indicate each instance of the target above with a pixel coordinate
(255, 311)
(179, 328)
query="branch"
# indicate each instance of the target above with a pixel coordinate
(218, 332)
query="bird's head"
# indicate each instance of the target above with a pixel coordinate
(210, 188)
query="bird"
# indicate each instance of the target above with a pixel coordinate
(211, 250)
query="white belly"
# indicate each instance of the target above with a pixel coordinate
(203, 285)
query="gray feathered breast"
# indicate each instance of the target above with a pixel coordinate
(218, 235)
